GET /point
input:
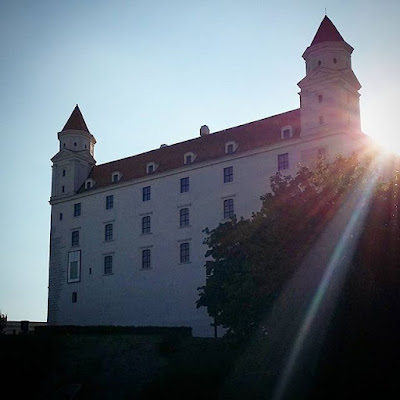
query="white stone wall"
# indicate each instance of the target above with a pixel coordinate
(166, 293)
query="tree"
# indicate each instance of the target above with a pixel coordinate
(3, 322)
(248, 261)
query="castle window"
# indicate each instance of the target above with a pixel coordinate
(286, 132)
(183, 217)
(146, 225)
(229, 209)
(108, 232)
(63, 189)
(230, 147)
(75, 238)
(116, 177)
(146, 258)
(151, 167)
(188, 158)
(228, 174)
(74, 266)
(184, 185)
(63, 172)
(319, 62)
(88, 185)
(283, 161)
(334, 61)
(77, 209)
(61, 216)
(184, 252)
(146, 193)
(109, 202)
(108, 265)
(320, 98)
(75, 144)
(74, 297)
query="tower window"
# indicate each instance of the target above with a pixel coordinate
(184, 252)
(146, 258)
(63, 188)
(75, 238)
(61, 216)
(88, 185)
(74, 266)
(319, 62)
(74, 297)
(75, 144)
(63, 172)
(334, 61)
(109, 202)
(320, 98)
(108, 232)
(108, 264)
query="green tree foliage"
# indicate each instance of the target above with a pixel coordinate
(3, 322)
(249, 261)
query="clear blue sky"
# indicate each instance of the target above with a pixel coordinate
(151, 72)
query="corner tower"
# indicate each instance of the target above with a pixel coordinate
(329, 97)
(75, 159)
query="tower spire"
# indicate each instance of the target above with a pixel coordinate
(76, 122)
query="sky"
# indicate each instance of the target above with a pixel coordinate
(150, 72)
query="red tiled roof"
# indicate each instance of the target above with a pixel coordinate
(76, 121)
(327, 32)
(209, 147)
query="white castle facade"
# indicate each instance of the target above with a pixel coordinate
(126, 242)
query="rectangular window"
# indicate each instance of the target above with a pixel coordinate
(146, 192)
(75, 238)
(61, 216)
(283, 161)
(286, 134)
(109, 202)
(74, 266)
(74, 297)
(146, 258)
(228, 174)
(108, 261)
(108, 232)
(77, 209)
(229, 210)
(184, 185)
(63, 173)
(184, 253)
(184, 217)
(229, 148)
(320, 98)
(146, 224)
(63, 189)
(115, 178)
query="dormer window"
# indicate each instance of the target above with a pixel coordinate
(89, 183)
(230, 147)
(188, 158)
(115, 177)
(286, 132)
(151, 167)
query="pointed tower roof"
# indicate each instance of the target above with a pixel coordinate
(327, 32)
(76, 121)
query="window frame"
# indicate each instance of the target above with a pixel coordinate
(75, 238)
(109, 202)
(146, 258)
(184, 253)
(146, 225)
(77, 209)
(108, 264)
(283, 161)
(146, 193)
(74, 257)
(185, 184)
(228, 174)
(108, 232)
(184, 217)
(229, 208)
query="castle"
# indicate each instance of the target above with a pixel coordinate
(126, 242)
